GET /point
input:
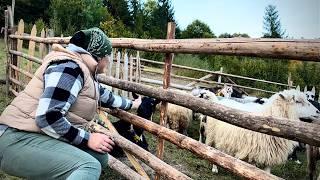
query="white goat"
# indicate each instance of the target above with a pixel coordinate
(254, 147)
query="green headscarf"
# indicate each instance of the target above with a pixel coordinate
(98, 43)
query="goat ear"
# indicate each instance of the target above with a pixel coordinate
(157, 101)
(282, 96)
(134, 95)
(298, 88)
(305, 89)
(313, 90)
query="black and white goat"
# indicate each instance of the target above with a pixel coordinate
(134, 133)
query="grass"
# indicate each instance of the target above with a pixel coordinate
(181, 159)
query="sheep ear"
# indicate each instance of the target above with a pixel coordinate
(305, 89)
(298, 88)
(134, 95)
(313, 90)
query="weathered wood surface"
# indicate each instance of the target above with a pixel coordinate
(158, 165)
(123, 169)
(32, 47)
(228, 162)
(306, 50)
(166, 83)
(21, 54)
(312, 153)
(299, 131)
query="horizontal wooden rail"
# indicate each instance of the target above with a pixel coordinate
(159, 82)
(158, 165)
(215, 72)
(26, 56)
(199, 80)
(14, 92)
(21, 71)
(123, 169)
(226, 161)
(306, 50)
(294, 130)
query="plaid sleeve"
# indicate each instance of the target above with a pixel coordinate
(108, 99)
(62, 83)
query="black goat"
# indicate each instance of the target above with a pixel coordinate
(134, 133)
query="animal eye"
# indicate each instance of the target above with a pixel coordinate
(312, 96)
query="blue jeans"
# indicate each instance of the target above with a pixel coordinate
(37, 156)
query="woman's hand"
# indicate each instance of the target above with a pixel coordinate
(136, 103)
(100, 143)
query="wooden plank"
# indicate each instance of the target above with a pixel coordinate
(226, 161)
(117, 75)
(32, 46)
(202, 78)
(137, 74)
(19, 47)
(293, 130)
(131, 73)
(6, 26)
(131, 158)
(110, 64)
(125, 71)
(159, 166)
(123, 169)
(166, 83)
(42, 50)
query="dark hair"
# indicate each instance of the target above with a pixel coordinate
(78, 39)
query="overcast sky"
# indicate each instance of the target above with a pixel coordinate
(300, 18)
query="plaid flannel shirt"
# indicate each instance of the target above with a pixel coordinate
(62, 84)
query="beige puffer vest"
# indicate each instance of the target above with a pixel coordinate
(21, 112)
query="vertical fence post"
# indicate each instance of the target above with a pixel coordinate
(6, 19)
(289, 81)
(131, 72)
(117, 75)
(19, 48)
(219, 77)
(42, 45)
(50, 33)
(138, 70)
(166, 83)
(125, 71)
(13, 58)
(32, 46)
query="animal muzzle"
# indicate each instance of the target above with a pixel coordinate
(311, 119)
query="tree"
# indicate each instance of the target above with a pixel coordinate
(119, 9)
(197, 29)
(272, 23)
(66, 17)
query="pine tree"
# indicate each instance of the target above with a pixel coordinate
(272, 23)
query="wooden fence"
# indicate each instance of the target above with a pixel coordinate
(20, 71)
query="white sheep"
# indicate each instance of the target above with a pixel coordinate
(257, 148)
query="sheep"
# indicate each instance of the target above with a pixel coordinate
(131, 132)
(257, 148)
(178, 118)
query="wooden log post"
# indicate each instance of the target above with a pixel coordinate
(13, 59)
(312, 153)
(166, 83)
(289, 80)
(151, 160)
(226, 161)
(123, 169)
(293, 130)
(131, 73)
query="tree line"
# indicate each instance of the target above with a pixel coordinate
(148, 19)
